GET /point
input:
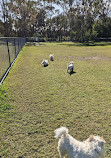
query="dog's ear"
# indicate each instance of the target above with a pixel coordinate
(102, 139)
(91, 137)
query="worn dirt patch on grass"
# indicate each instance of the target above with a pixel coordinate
(86, 58)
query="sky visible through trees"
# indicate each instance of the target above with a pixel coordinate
(75, 20)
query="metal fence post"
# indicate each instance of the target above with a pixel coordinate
(8, 53)
(18, 46)
(20, 43)
(15, 47)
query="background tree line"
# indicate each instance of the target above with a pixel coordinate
(76, 20)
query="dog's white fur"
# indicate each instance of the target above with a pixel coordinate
(45, 62)
(51, 56)
(93, 147)
(70, 66)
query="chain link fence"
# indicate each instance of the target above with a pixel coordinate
(9, 50)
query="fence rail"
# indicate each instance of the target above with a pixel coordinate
(9, 50)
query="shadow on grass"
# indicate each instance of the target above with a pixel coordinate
(72, 72)
(45, 66)
(87, 44)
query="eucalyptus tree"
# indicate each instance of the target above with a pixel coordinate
(4, 10)
(102, 22)
(1, 28)
(79, 19)
(5, 18)
(23, 14)
(60, 27)
(67, 6)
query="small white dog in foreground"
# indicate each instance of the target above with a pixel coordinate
(45, 62)
(93, 147)
(51, 56)
(70, 66)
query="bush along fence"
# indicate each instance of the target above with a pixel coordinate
(9, 50)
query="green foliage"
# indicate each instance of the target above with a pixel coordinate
(88, 35)
(95, 30)
(1, 28)
(4, 105)
(80, 20)
(101, 28)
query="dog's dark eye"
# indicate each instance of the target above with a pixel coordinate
(101, 143)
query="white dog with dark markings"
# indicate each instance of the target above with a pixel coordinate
(70, 67)
(44, 62)
(51, 56)
(93, 147)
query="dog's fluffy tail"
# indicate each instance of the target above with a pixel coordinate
(61, 131)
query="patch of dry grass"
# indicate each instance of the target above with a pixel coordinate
(44, 99)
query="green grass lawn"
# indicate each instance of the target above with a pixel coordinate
(45, 98)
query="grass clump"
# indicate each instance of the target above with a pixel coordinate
(4, 105)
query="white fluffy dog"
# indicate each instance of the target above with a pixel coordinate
(93, 147)
(70, 66)
(45, 62)
(51, 56)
